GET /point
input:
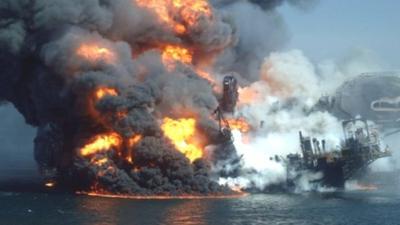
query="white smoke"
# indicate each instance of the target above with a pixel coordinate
(278, 106)
(290, 74)
(357, 61)
(388, 164)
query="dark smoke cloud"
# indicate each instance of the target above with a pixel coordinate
(159, 170)
(261, 30)
(270, 4)
(52, 87)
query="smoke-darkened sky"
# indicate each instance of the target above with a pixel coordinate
(332, 28)
(326, 31)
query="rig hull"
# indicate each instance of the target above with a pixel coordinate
(360, 148)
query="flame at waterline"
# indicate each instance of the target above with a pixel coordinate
(50, 184)
(238, 194)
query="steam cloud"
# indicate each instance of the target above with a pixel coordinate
(280, 104)
(50, 74)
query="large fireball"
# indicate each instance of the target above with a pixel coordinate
(182, 133)
(93, 52)
(101, 143)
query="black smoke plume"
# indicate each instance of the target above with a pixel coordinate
(261, 29)
(53, 88)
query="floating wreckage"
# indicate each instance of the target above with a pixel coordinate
(359, 149)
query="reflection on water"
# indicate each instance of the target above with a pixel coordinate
(100, 211)
(110, 211)
(317, 209)
(191, 212)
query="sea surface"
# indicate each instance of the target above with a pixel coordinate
(361, 208)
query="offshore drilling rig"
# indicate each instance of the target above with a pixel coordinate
(361, 147)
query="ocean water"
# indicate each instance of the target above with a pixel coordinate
(361, 208)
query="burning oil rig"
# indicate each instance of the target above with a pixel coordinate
(126, 109)
(361, 147)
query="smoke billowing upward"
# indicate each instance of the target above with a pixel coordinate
(123, 92)
(261, 30)
(101, 78)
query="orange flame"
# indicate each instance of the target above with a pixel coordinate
(206, 76)
(131, 143)
(239, 124)
(250, 95)
(101, 143)
(163, 11)
(182, 134)
(134, 140)
(101, 92)
(99, 162)
(173, 54)
(50, 184)
(104, 194)
(191, 10)
(177, 13)
(93, 53)
(121, 114)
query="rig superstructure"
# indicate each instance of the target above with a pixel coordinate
(361, 146)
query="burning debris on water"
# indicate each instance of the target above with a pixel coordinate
(120, 108)
(144, 97)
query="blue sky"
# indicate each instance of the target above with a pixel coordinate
(335, 27)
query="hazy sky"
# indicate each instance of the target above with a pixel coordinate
(334, 27)
(16, 138)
